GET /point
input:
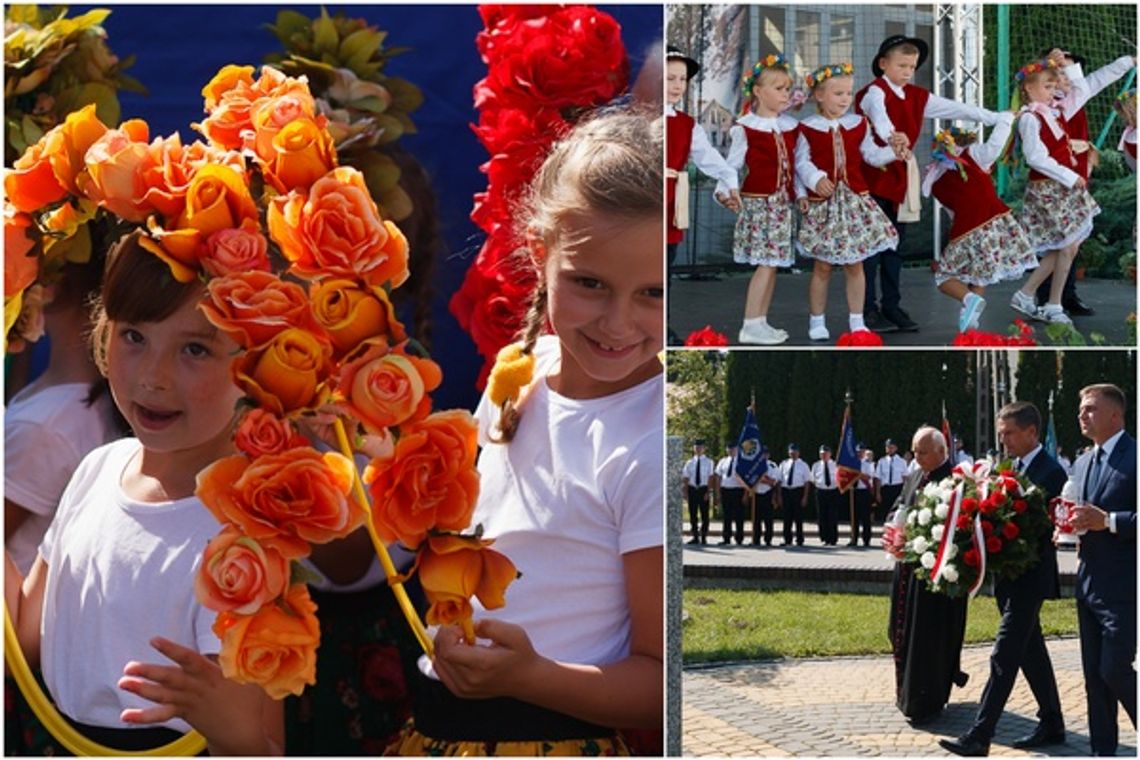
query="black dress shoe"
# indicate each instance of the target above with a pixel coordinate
(726, 542)
(961, 678)
(852, 542)
(966, 746)
(901, 319)
(876, 323)
(694, 541)
(1042, 736)
(1076, 307)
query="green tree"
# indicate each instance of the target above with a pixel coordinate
(694, 394)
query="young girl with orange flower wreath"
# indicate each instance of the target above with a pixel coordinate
(841, 225)
(115, 573)
(571, 474)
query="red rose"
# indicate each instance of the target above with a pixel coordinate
(859, 338)
(969, 505)
(1011, 484)
(706, 336)
(964, 521)
(1020, 505)
(993, 545)
(988, 506)
(1010, 531)
(987, 528)
(971, 558)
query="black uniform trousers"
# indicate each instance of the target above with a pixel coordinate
(732, 502)
(793, 513)
(699, 507)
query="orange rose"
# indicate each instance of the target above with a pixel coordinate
(252, 307)
(229, 96)
(428, 482)
(302, 153)
(273, 112)
(233, 251)
(288, 373)
(452, 569)
(238, 574)
(385, 388)
(351, 314)
(21, 264)
(48, 170)
(166, 176)
(115, 164)
(261, 433)
(275, 648)
(335, 230)
(285, 500)
(229, 77)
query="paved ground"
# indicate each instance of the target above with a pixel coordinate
(845, 707)
(719, 302)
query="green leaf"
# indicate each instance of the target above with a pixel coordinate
(390, 126)
(359, 46)
(289, 23)
(31, 130)
(324, 35)
(372, 104)
(405, 121)
(16, 136)
(405, 95)
(102, 95)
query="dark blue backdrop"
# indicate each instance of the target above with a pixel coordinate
(180, 47)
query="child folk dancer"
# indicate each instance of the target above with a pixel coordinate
(1125, 105)
(987, 245)
(114, 574)
(571, 474)
(896, 110)
(841, 225)
(764, 141)
(1058, 210)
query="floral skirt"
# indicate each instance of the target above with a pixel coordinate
(763, 235)
(997, 251)
(1056, 216)
(845, 229)
(412, 743)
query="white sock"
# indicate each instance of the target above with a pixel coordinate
(761, 321)
(816, 321)
(855, 321)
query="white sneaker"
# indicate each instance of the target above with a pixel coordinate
(764, 335)
(819, 332)
(1026, 305)
(1054, 314)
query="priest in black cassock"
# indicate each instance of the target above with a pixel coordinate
(926, 629)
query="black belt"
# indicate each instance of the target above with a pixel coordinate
(439, 714)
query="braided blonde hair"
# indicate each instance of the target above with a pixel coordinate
(610, 163)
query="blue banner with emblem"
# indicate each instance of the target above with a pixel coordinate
(847, 460)
(750, 463)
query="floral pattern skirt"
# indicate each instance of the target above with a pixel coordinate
(1056, 216)
(763, 235)
(845, 229)
(996, 251)
(414, 744)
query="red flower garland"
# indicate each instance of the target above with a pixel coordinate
(706, 336)
(859, 339)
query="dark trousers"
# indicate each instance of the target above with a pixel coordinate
(732, 502)
(763, 514)
(862, 523)
(889, 495)
(1108, 643)
(793, 513)
(827, 511)
(699, 508)
(1018, 645)
(889, 263)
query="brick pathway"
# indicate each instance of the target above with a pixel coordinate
(844, 706)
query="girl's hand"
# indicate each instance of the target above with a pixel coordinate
(734, 201)
(480, 671)
(803, 204)
(825, 187)
(1080, 182)
(229, 715)
(898, 141)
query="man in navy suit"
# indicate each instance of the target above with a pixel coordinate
(1019, 643)
(1106, 574)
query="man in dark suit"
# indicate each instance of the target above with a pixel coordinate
(1019, 643)
(1106, 573)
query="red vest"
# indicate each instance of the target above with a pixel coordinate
(825, 155)
(1058, 148)
(678, 143)
(973, 200)
(906, 114)
(768, 170)
(1078, 128)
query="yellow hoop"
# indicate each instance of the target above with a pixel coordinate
(189, 744)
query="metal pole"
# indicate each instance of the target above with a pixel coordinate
(1002, 83)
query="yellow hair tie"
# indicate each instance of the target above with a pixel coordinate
(513, 369)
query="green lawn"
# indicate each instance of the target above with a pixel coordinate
(748, 625)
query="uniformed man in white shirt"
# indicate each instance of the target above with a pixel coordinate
(730, 495)
(864, 488)
(695, 477)
(961, 456)
(767, 497)
(889, 474)
(826, 485)
(794, 477)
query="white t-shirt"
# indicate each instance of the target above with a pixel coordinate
(46, 434)
(580, 485)
(120, 572)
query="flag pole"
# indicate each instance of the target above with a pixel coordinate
(849, 399)
(752, 489)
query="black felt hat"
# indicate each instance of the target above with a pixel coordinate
(676, 54)
(894, 41)
(699, 442)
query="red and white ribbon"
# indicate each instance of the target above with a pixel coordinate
(948, 528)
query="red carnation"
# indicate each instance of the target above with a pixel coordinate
(706, 336)
(1020, 505)
(989, 506)
(859, 339)
(1010, 531)
(971, 558)
(987, 528)
(1005, 473)
(970, 505)
(993, 545)
(964, 521)
(1011, 484)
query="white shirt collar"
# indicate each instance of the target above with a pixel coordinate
(779, 123)
(894, 87)
(670, 109)
(1110, 444)
(821, 123)
(1025, 460)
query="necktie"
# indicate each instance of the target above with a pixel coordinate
(891, 470)
(826, 474)
(1020, 464)
(698, 483)
(1093, 477)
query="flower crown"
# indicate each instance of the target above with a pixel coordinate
(770, 61)
(1127, 95)
(1033, 68)
(827, 72)
(950, 136)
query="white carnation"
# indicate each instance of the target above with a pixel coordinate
(932, 490)
(927, 560)
(937, 531)
(924, 516)
(952, 551)
(911, 517)
(950, 573)
(941, 510)
(919, 545)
